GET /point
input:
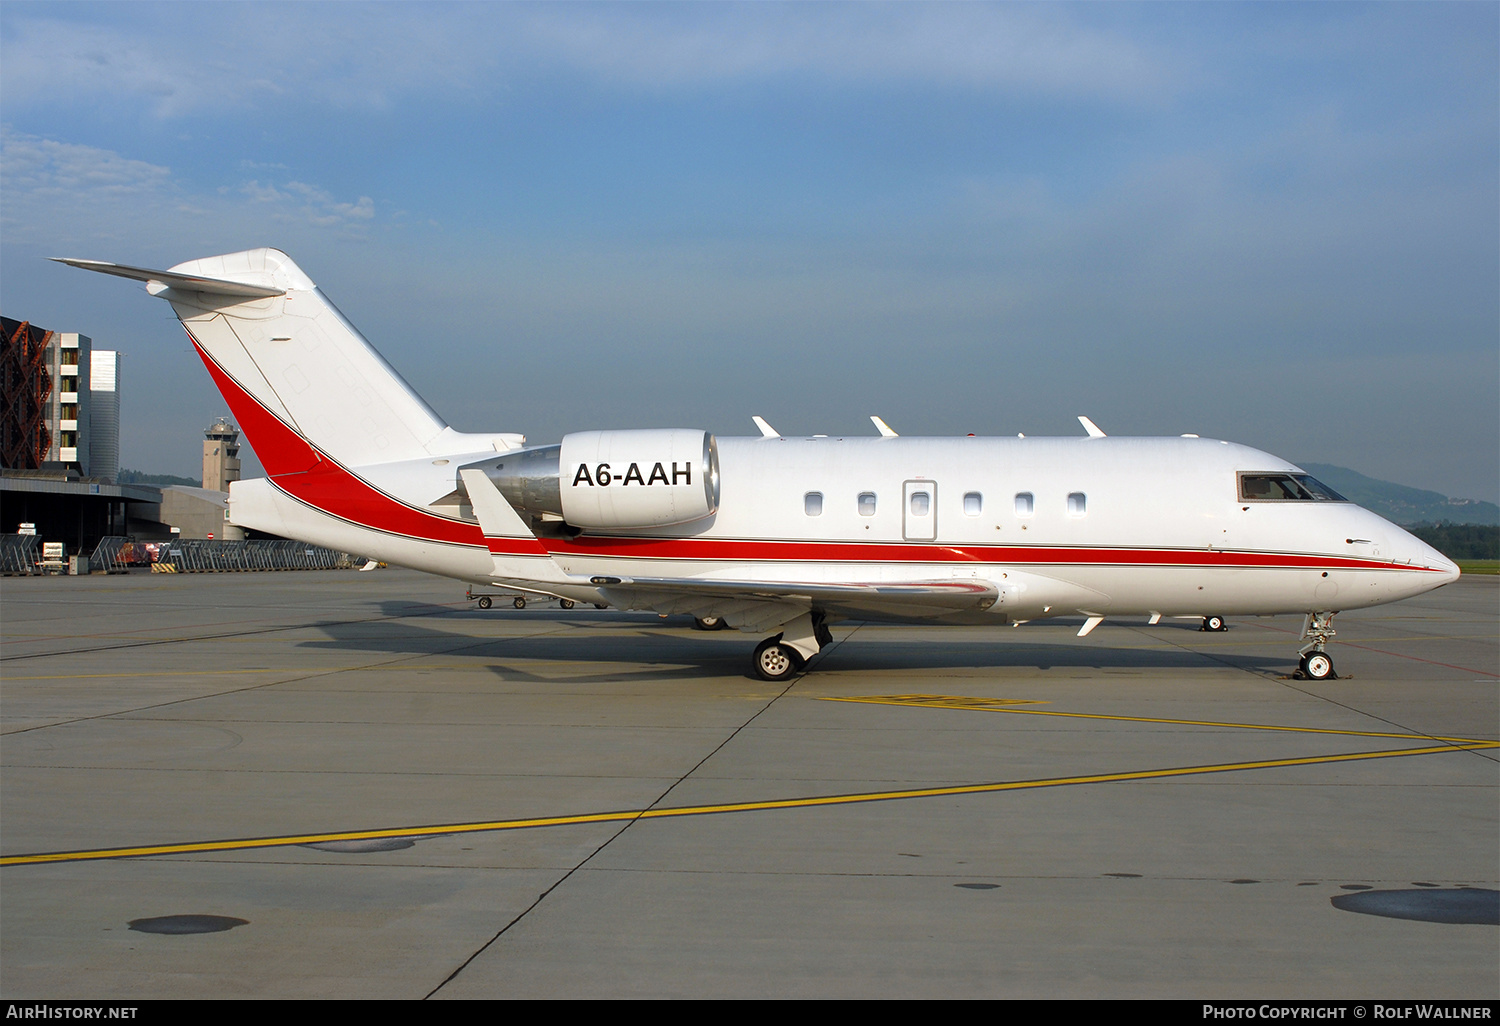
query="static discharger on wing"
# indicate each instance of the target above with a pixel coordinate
(775, 535)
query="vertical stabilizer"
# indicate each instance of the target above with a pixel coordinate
(295, 355)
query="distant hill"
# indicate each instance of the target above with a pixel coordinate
(1401, 504)
(1461, 541)
(160, 480)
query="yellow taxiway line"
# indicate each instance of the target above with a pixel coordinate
(203, 847)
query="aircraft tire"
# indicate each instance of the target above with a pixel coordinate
(1214, 623)
(520, 602)
(776, 662)
(485, 602)
(565, 603)
(708, 623)
(1318, 666)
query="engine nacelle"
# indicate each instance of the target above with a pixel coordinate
(649, 478)
(614, 479)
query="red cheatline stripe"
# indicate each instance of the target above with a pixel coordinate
(857, 552)
(305, 474)
(308, 475)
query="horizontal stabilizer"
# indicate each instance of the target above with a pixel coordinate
(187, 282)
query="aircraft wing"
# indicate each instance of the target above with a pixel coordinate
(760, 605)
(748, 604)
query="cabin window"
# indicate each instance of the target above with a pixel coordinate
(1078, 504)
(921, 502)
(867, 504)
(1024, 504)
(812, 504)
(1286, 488)
(973, 504)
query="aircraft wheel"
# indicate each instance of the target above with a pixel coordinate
(1318, 666)
(708, 623)
(565, 603)
(1214, 623)
(520, 602)
(486, 602)
(600, 605)
(775, 661)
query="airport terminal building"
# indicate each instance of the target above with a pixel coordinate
(60, 451)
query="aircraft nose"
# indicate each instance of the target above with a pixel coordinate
(1449, 569)
(1413, 550)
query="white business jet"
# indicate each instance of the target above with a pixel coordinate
(773, 535)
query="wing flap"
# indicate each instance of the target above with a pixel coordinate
(780, 601)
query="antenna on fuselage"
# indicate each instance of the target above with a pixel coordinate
(1090, 427)
(766, 430)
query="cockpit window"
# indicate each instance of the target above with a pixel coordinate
(1286, 488)
(1320, 490)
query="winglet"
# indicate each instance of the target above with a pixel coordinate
(186, 282)
(1089, 625)
(882, 427)
(1090, 427)
(766, 430)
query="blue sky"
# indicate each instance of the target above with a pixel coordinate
(1275, 223)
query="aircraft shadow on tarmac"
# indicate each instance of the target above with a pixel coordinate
(667, 649)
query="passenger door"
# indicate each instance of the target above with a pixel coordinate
(919, 511)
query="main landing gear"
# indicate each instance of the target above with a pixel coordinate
(1316, 664)
(1214, 623)
(709, 623)
(775, 661)
(781, 657)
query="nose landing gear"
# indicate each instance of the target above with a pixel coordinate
(1316, 664)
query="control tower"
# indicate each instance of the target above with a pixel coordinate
(221, 455)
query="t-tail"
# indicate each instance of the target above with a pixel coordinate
(271, 338)
(354, 457)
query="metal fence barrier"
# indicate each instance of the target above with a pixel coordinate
(19, 553)
(115, 554)
(200, 555)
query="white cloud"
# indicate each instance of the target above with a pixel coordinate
(32, 164)
(322, 209)
(180, 59)
(54, 189)
(317, 206)
(975, 45)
